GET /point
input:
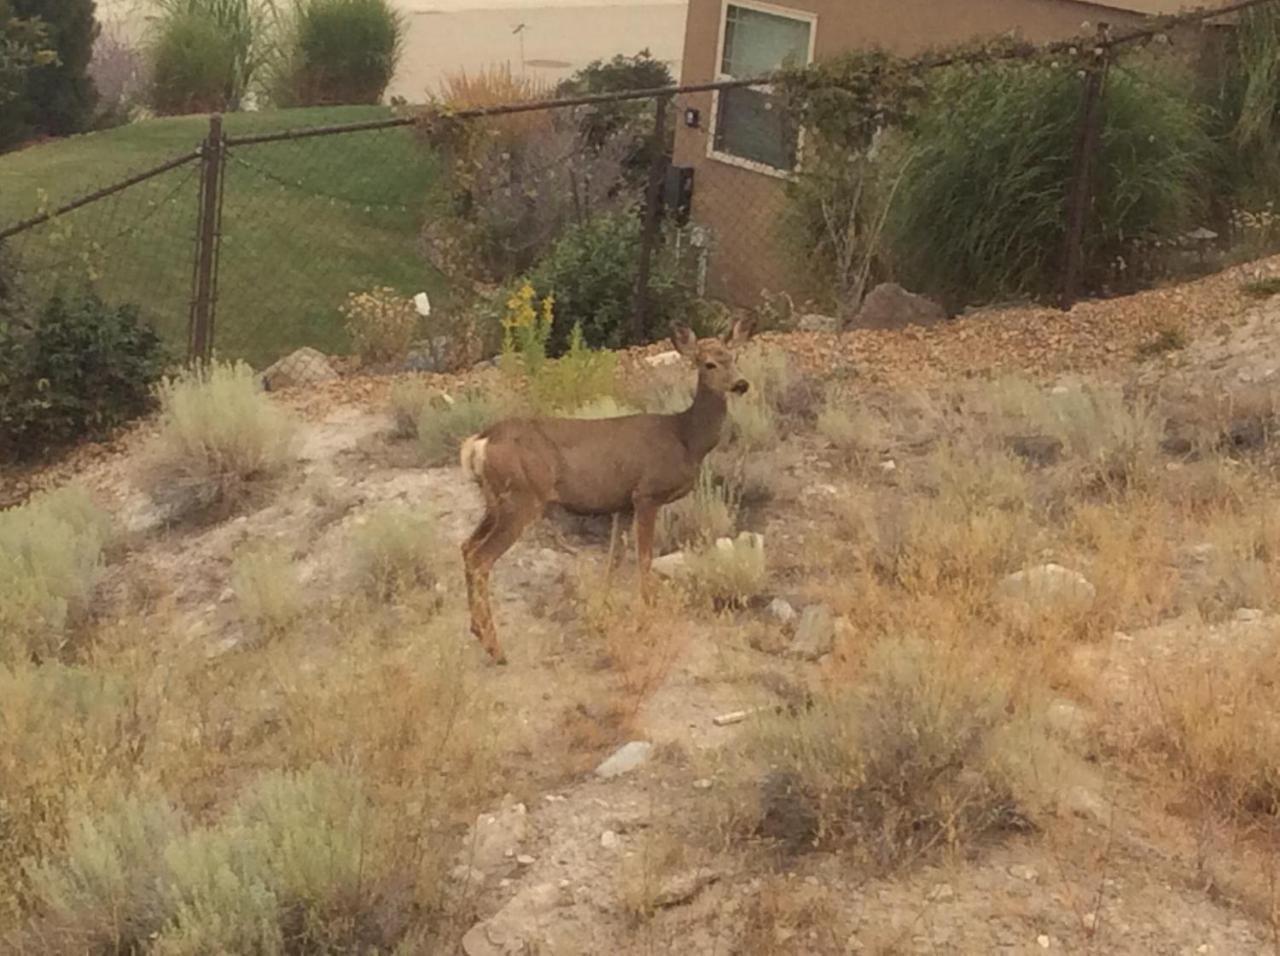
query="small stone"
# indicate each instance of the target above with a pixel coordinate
(1090, 921)
(228, 594)
(609, 840)
(782, 611)
(504, 882)
(525, 859)
(670, 566)
(815, 634)
(1044, 942)
(888, 466)
(1023, 872)
(1246, 614)
(1047, 586)
(703, 784)
(625, 759)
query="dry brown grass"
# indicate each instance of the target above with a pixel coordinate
(498, 85)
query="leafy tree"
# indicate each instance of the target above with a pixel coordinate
(45, 49)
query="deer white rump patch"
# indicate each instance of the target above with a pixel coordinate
(472, 456)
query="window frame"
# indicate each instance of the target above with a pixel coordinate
(803, 16)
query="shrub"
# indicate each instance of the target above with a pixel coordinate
(339, 51)
(700, 518)
(446, 422)
(193, 65)
(50, 561)
(753, 424)
(77, 370)
(393, 551)
(206, 54)
(63, 732)
(381, 323)
(979, 216)
(926, 752)
(55, 95)
(591, 270)
(218, 431)
(409, 397)
(267, 589)
(859, 432)
(105, 892)
(730, 571)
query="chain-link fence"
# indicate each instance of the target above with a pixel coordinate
(630, 209)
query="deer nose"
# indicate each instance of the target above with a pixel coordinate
(740, 387)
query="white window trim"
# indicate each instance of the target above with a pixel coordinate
(728, 158)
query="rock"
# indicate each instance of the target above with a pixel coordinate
(816, 322)
(519, 927)
(306, 366)
(524, 859)
(782, 611)
(610, 840)
(1084, 803)
(494, 839)
(889, 306)
(1245, 614)
(1047, 587)
(625, 759)
(888, 466)
(1021, 871)
(664, 359)
(683, 887)
(787, 812)
(702, 784)
(1044, 942)
(671, 566)
(815, 634)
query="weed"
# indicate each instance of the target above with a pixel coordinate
(1262, 288)
(730, 571)
(267, 589)
(921, 755)
(409, 398)
(51, 551)
(393, 552)
(706, 515)
(381, 323)
(445, 422)
(860, 433)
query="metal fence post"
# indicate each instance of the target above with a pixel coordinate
(1080, 192)
(208, 233)
(641, 323)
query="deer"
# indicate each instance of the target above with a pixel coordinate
(611, 466)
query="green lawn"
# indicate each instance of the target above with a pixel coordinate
(304, 224)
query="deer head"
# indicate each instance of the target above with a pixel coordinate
(713, 358)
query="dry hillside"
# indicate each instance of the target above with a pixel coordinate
(1006, 682)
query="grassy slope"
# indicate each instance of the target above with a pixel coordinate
(304, 223)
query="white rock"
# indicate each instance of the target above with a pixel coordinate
(1248, 614)
(1047, 587)
(1023, 872)
(782, 611)
(889, 465)
(625, 759)
(1043, 941)
(815, 634)
(524, 859)
(671, 566)
(610, 840)
(703, 784)
(423, 304)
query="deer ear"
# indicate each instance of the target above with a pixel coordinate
(685, 342)
(742, 330)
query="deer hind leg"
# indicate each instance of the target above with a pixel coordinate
(646, 514)
(502, 526)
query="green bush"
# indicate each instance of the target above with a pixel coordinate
(445, 422)
(206, 54)
(980, 214)
(74, 371)
(591, 271)
(192, 65)
(339, 51)
(55, 95)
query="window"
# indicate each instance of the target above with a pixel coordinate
(749, 124)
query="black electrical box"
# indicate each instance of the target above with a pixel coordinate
(677, 193)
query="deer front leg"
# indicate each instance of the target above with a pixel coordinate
(646, 514)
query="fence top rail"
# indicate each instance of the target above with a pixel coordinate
(123, 184)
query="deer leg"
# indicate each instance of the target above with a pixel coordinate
(646, 514)
(509, 520)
